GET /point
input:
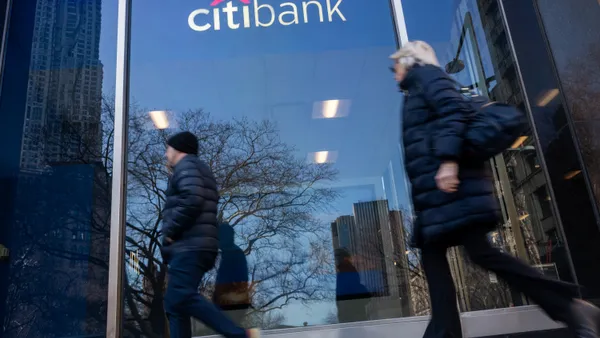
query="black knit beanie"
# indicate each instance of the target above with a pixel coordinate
(185, 142)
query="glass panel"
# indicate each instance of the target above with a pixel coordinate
(576, 54)
(570, 185)
(470, 40)
(298, 117)
(570, 30)
(56, 167)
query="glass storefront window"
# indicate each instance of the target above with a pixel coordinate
(56, 167)
(561, 132)
(298, 117)
(470, 39)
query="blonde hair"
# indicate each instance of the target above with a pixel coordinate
(415, 53)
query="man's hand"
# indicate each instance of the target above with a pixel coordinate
(447, 177)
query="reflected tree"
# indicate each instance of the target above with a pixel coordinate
(62, 209)
(268, 194)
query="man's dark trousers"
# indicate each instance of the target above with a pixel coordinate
(182, 300)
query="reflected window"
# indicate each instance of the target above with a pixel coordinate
(472, 44)
(543, 202)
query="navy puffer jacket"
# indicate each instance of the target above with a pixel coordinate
(434, 121)
(190, 211)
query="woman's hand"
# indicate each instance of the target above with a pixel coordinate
(447, 177)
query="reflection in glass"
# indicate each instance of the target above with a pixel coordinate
(55, 171)
(477, 55)
(300, 125)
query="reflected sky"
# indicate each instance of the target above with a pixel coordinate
(282, 73)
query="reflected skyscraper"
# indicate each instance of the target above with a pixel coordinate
(62, 113)
(375, 237)
(343, 235)
(59, 224)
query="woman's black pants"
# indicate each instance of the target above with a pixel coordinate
(554, 297)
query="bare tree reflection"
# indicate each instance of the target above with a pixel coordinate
(269, 196)
(59, 263)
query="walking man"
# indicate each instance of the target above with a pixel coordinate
(190, 241)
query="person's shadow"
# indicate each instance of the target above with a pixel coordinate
(352, 297)
(232, 288)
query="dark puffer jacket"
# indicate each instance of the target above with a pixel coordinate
(190, 212)
(434, 120)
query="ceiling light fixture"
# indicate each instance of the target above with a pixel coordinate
(321, 157)
(159, 118)
(547, 97)
(330, 108)
(572, 174)
(519, 142)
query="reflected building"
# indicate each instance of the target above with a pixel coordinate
(342, 233)
(528, 228)
(375, 237)
(58, 225)
(62, 113)
(542, 241)
(60, 241)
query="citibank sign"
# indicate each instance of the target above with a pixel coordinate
(247, 14)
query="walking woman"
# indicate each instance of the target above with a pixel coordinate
(455, 203)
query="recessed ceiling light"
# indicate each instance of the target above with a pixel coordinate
(519, 142)
(160, 119)
(322, 157)
(547, 97)
(331, 109)
(572, 174)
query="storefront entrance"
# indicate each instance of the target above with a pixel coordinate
(299, 118)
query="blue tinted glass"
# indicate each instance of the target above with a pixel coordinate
(298, 117)
(56, 167)
(472, 44)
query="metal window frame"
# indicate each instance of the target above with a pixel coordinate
(4, 41)
(568, 112)
(116, 269)
(501, 321)
(399, 22)
(536, 139)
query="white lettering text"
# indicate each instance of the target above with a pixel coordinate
(305, 8)
(293, 12)
(335, 9)
(257, 9)
(265, 15)
(229, 9)
(192, 20)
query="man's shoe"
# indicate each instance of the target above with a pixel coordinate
(253, 333)
(586, 320)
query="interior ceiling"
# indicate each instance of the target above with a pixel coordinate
(284, 88)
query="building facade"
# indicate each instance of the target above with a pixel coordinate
(299, 118)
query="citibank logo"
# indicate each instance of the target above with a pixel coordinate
(250, 13)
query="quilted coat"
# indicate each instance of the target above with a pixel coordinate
(435, 118)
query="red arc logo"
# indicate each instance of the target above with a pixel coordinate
(216, 2)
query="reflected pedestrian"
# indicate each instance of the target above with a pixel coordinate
(455, 203)
(232, 288)
(351, 296)
(190, 241)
